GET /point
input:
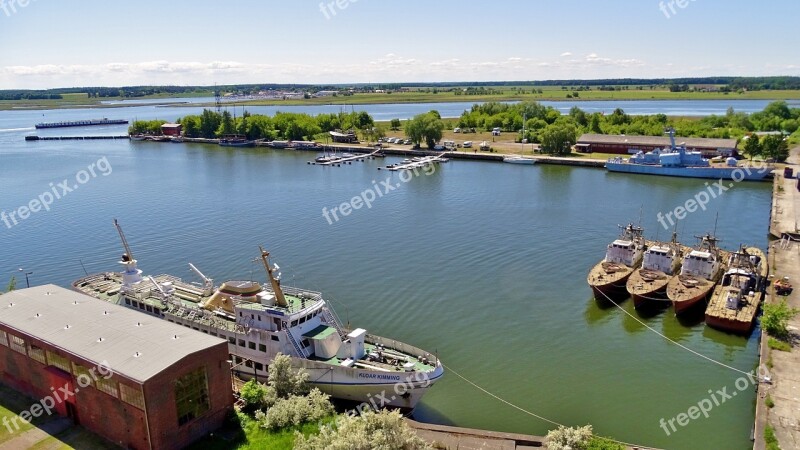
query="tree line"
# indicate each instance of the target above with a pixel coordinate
(289, 126)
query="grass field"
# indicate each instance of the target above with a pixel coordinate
(421, 95)
(247, 435)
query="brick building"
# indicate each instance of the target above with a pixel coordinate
(139, 381)
(624, 145)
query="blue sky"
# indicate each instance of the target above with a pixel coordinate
(56, 43)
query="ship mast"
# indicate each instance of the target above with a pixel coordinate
(132, 274)
(276, 285)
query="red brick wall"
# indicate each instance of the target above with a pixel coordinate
(120, 422)
(160, 399)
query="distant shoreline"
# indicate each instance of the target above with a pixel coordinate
(82, 102)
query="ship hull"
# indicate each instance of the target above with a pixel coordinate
(683, 302)
(730, 326)
(401, 390)
(717, 173)
(648, 290)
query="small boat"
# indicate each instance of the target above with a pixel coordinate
(235, 140)
(701, 269)
(783, 287)
(138, 137)
(519, 160)
(734, 304)
(660, 264)
(176, 140)
(608, 278)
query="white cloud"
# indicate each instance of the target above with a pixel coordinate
(388, 68)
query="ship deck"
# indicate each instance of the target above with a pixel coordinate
(744, 314)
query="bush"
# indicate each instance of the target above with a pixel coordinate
(384, 430)
(769, 402)
(598, 443)
(296, 410)
(284, 379)
(564, 438)
(256, 395)
(776, 318)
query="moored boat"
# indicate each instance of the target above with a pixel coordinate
(609, 277)
(660, 264)
(519, 160)
(236, 140)
(734, 305)
(701, 269)
(261, 321)
(680, 162)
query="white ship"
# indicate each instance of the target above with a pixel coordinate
(261, 321)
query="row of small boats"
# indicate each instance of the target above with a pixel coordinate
(730, 285)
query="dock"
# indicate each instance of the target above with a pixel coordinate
(82, 123)
(784, 260)
(347, 160)
(422, 161)
(73, 138)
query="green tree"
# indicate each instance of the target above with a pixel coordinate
(579, 116)
(226, 124)
(775, 147)
(426, 127)
(284, 379)
(209, 123)
(564, 438)
(395, 124)
(558, 139)
(594, 124)
(776, 318)
(752, 146)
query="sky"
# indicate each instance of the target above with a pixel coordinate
(56, 43)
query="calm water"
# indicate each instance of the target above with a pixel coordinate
(484, 263)
(140, 109)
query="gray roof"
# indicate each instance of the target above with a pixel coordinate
(657, 141)
(124, 332)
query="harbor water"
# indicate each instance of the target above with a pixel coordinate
(483, 263)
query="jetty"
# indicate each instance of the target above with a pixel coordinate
(82, 123)
(784, 260)
(420, 162)
(347, 159)
(73, 138)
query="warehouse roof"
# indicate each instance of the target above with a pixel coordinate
(657, 141)
(133, 344)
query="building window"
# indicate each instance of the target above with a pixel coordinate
(232, 340)
(108, 386)
(59, 361)
(82, 375)
(37, 354)
(259, 366)
(251, 345)
(128, 301)
(131, 396)
(191, 396)
(3, 338)
(262, 348)
(241, 343)
(18, 345)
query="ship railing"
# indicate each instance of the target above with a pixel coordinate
(403, 348)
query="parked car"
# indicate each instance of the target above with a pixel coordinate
(407, 142)
(467, 144)
(496, 131)
(457, 130)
